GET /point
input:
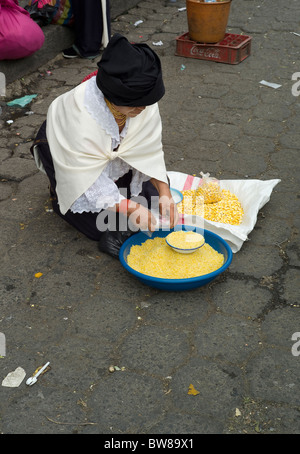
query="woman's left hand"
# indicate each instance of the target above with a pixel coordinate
(168, 209)
(167, 206)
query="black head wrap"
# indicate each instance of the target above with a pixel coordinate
(130, 74)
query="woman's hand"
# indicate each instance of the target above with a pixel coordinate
(168, 210)
(167, 206)
(140, 216)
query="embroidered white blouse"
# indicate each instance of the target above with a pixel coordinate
(104, 192)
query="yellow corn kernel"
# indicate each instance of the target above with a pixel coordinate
(185, 240)
(228, 210)
(211, 192)
(155, 258)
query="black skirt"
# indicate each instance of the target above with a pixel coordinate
(88, 24)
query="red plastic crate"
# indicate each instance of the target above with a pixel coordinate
(232, 49)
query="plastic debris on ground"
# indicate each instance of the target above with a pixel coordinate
(138, 22)
(32, 380)
(269, 84)
(158, 43)
(22, 101)
(237, 412)
(15, 378)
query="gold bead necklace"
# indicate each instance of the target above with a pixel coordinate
(119, 117)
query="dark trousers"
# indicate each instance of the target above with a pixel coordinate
(85, 222)
(88, 24)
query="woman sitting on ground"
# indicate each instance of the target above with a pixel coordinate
(101, 148)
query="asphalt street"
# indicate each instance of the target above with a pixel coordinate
(123, 355)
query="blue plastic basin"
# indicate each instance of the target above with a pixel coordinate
(215, 241)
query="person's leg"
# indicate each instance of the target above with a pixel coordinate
(118, 232)
(88, 26)
(83, 222)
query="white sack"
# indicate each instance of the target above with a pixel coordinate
(253, 195)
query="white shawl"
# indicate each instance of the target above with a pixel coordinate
(81, 149)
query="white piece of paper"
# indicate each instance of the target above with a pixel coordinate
(253, 195)
(15, 378)
(269, 84)
(138, 22)
(158, 43)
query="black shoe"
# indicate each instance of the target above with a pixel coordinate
(70, 53)
(73, 52)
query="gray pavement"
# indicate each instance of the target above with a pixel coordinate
(231, 339)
